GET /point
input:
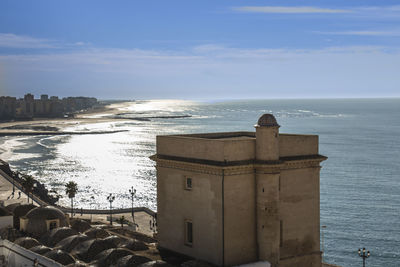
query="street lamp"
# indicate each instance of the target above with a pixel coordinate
(323, 227)
(133, 193)
(363, 255)
(110, 199)
(58, 198)
(91, 211)
(13, 180)
(33, 190)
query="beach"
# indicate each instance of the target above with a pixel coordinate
(54, 126)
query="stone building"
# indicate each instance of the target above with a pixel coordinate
(238, 197)
(40, 220)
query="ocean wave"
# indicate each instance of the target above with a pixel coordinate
(206, 116)
(41, 141)
(306, 113)
(8, 147)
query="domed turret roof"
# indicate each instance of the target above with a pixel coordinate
(267, 120)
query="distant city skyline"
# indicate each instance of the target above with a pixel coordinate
(200, 50)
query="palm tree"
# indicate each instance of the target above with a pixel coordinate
(121, 221)
(70, 189)
(27, 183)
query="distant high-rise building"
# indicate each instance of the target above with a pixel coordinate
(28, 107)
(29, 97)
(7, 107)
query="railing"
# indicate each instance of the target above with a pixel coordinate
(113, 211)
(83, 211)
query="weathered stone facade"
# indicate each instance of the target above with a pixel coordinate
(251, 197)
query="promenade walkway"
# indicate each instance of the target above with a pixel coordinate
(143, 216)
(6, 189)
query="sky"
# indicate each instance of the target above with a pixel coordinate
(218, 49)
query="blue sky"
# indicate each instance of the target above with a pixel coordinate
(200, 49)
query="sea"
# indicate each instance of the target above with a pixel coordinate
(360, 181)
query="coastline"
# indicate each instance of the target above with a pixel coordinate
(58, 126)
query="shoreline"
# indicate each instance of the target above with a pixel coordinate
(56, 126)
(33, 133)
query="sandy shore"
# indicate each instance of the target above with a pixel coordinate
(54, 126)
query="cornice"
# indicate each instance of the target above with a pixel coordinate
(238, 169)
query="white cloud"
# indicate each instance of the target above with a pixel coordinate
(363, 33)
(288, 9)
(395, 8)
(20, 41)
(212, 70)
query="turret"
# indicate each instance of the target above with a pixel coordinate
(267, 138)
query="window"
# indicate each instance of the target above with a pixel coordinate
(281, 234)
(188, 233)
(279, 180)
(188, 183)
(52, 225)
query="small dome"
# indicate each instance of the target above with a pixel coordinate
(60, 256)
(96, 232)
(110, 256)
(27, 242)
(89, 249)
(4, 212)
(69, 243)
(157, 263)
(38, 219)
(135, 260)
(45, 213)
(267, 120)
(135, 245)
(11, 207)
(40, 249)
(21, 211)
(79, 225)
(54, 236)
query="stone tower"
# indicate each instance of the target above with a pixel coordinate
(267, 189)
(238, 197)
